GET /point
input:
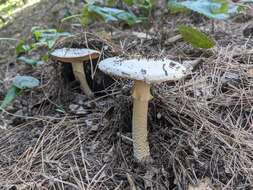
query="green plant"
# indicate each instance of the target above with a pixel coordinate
(191, 35)
(196, 38)
(94, 10)
(42, 38)
(22, 47)
(29, 61)
(108, 14)
(215, 9)
(19, 85)
(47, 37)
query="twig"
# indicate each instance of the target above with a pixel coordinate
(173, 39)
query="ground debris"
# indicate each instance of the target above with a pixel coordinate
(199, 127)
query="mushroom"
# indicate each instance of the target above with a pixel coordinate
(76, 57)
(144, 72)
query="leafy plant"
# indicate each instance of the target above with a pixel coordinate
(108, 14)
(174, 7)
(196, 38)
(29, 61)
(22, 47)
(215, 9)
(47, 37)
(19, 85)
(43, 38)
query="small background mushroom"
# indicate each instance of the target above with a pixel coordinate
(100, 83)
(77, 58)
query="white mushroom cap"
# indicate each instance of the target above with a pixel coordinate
(74, 54)
(148, 70)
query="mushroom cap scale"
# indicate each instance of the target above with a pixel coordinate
(74, 54)
(148, 70)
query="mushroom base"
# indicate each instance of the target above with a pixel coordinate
(141, 95)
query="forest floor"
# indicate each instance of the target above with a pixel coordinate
(200, 128)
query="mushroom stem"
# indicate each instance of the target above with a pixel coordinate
(141, 95)
(78, 70)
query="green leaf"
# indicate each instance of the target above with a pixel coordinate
(111, 2)
(20, 83)
(25, 82)
(45, 57)
(223, 8)
(12, 93)
(22, 47)
(216, 9)
(176, 8)
(146, 5)
(129, 2)
(29, 61)
(108, 14)
(196, 38)
(85, 15)
(39, 33)
(47, 37)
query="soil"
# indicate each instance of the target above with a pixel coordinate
(200, 128)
